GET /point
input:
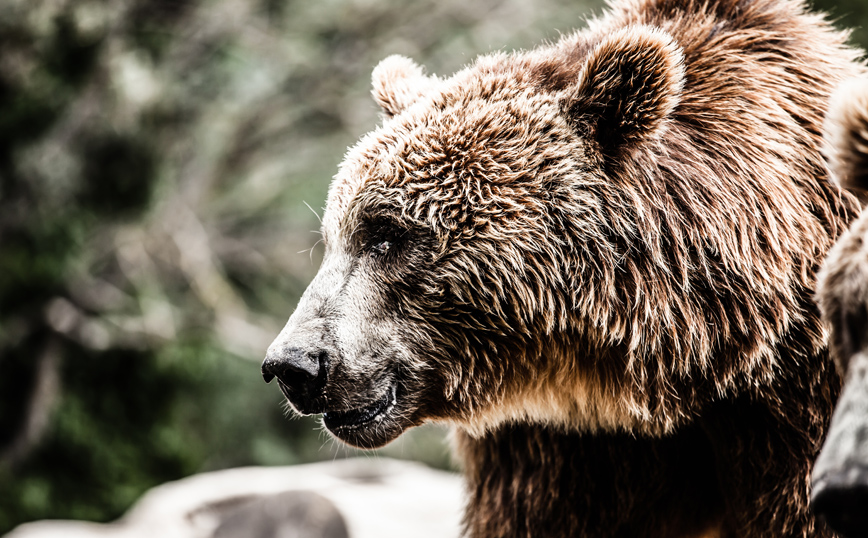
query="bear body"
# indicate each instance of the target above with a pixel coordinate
(840, 477)
(596, 259)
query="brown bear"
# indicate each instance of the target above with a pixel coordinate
(596, 259)
(840, 479)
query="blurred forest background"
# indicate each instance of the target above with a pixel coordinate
(156, 162)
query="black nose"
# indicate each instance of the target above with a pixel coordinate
(842, 501)
(301, 375)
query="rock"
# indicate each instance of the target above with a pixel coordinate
(358, 498)
(292, 514)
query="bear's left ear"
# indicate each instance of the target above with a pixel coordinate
(629, 85)
(397, 83)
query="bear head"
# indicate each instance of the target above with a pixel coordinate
(466, 249)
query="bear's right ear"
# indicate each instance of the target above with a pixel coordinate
(398, 82)
(846, 134)
(627, 89)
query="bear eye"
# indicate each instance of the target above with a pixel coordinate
(380, 249)
(382, 239)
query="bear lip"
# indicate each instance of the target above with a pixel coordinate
(355, 418)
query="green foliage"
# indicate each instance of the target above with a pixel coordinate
(132, 450)
(130, 420)
(851, 14)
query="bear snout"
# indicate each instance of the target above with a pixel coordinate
(302, 375)
(841, 501)
(840, 483)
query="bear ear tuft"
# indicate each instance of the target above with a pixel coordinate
(627, 89)
(846, 134)
(398, 82)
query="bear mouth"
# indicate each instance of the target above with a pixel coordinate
(353, 419)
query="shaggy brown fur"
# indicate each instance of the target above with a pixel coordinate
(593, 258)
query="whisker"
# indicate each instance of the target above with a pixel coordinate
(312, 210)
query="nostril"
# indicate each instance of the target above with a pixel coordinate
(293, 366)
(301, 362)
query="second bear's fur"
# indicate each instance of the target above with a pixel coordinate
(840, 478)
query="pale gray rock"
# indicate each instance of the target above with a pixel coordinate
(358, 498)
